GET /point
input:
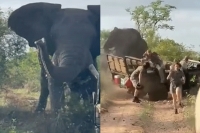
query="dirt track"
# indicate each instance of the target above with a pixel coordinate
(124, 116)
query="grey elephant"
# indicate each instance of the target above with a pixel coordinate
(126, 42)
(71, 37)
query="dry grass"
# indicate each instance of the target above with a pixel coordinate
(147, 112)
(16, 115)
(189, 112)
(16, 112)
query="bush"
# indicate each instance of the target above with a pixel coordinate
(76, 117)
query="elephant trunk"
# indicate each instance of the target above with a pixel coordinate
(67, 63)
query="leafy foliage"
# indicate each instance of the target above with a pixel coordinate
(76, 117)
(104, 36)
(24, 71)
(152, 17)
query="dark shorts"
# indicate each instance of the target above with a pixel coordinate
(173, 87)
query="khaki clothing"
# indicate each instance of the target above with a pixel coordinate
(137, 71)
(135, 75)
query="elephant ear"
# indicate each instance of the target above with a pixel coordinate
(30, 17)
(95, 10)
(94, 17)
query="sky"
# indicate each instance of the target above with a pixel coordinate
(185, 18)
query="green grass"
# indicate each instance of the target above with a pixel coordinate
(146, 114)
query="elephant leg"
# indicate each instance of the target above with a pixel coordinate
(56, 92)
(43, 93)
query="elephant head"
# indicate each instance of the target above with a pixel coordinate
(127, 42)
(35, 20)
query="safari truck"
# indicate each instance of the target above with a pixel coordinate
(122, 67)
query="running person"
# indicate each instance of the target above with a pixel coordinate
(177, 79)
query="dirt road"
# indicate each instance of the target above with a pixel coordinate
(124, 116)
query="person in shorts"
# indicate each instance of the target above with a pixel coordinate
(136, 77)
(177, 79)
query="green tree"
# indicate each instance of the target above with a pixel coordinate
(104, 36)
(3, 25)
(152, 39)
(3, 31)
(151, 18)
(24, 71)
(169, 50)
(12, 49)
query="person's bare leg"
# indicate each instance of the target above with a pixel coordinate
(174, 97)
(179, 96)
(136, 93)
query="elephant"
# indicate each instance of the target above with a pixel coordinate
(125, 42)
(128, 42)
(72, 38)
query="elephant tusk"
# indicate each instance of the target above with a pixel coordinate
(95, 73)
(42, 40)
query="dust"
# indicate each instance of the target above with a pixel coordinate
(109, 91)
